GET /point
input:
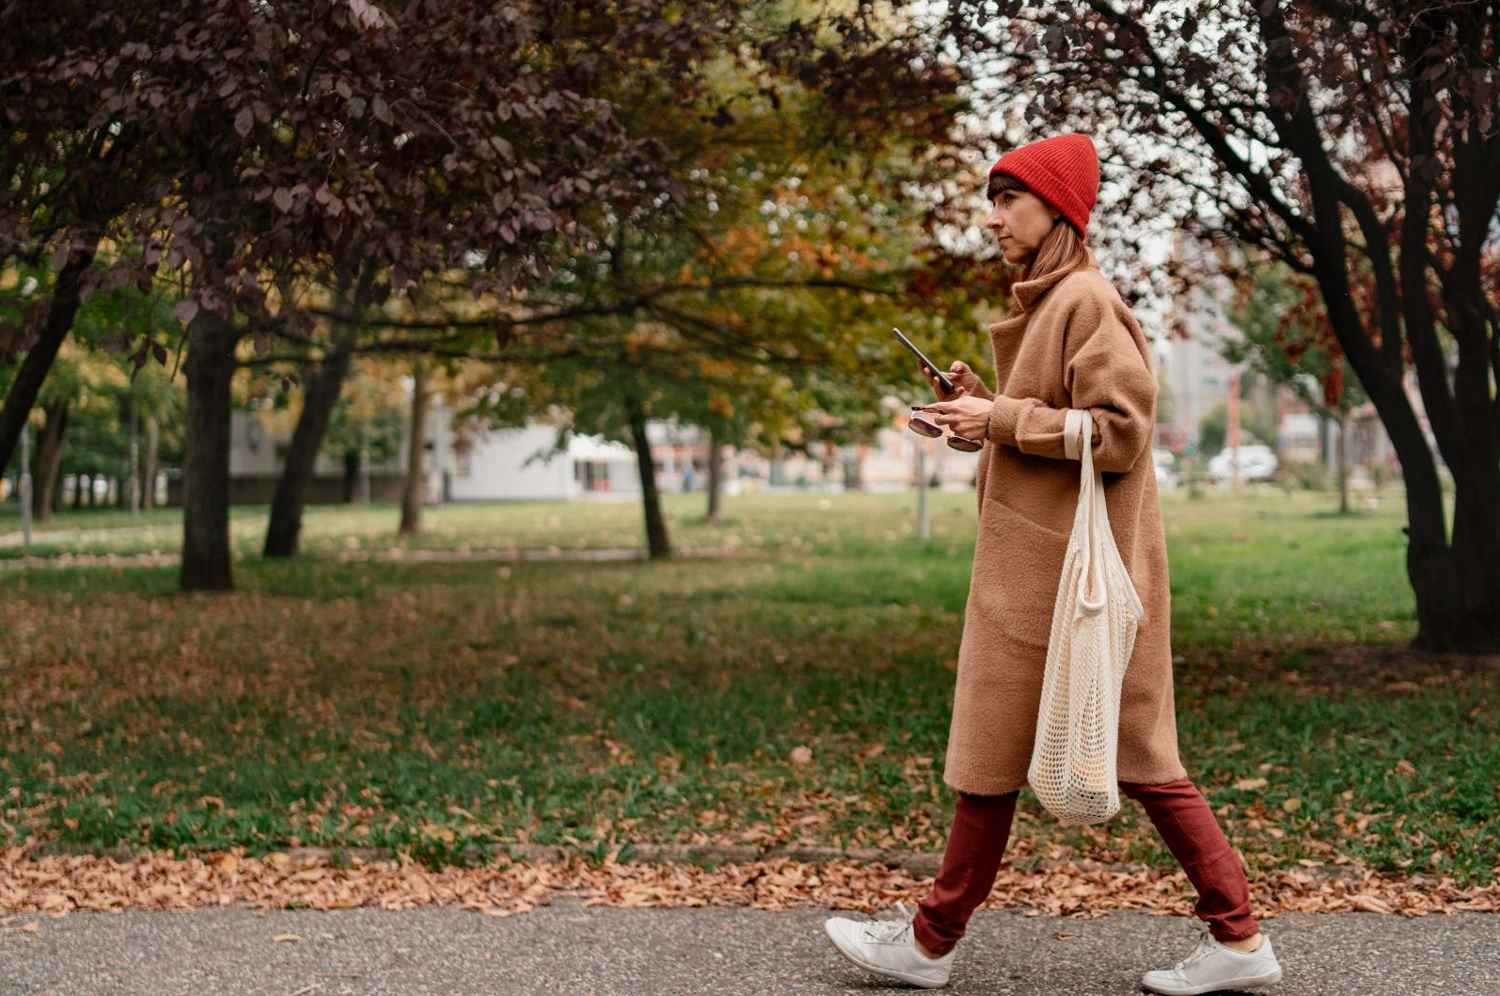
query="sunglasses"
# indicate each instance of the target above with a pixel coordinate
(921, 423)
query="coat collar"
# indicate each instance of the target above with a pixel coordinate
(1026, 292)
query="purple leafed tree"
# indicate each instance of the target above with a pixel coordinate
(248, 149)
(1358, 144)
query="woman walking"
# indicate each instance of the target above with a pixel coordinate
(1069, 342)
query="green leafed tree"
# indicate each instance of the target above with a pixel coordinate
(760, 307)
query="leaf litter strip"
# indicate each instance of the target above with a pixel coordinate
(58, 884)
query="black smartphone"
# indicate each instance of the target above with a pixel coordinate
(947, 384)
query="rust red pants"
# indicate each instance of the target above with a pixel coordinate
(981, 827)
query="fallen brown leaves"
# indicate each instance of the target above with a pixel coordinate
(58, 884)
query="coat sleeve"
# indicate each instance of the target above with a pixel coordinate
(1105, 371)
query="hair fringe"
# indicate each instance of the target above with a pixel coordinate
(1063, 249)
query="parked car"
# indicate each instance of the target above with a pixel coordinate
(1257, 463)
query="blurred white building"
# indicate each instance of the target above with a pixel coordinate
(517, 464)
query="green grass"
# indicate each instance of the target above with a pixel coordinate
(70, 520)
(340, 529)
(427, 705)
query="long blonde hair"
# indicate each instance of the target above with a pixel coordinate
(1061, 249)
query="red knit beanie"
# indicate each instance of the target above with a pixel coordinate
(1062, 170)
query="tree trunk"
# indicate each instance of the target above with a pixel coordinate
(351, 475)
(715, 476)
(411, 495)
(33, 371)
(49, 448)
(320, 393)
(80, 482)
(826, 460)
(210, 365)
(854, 470)
(1457, 584)
(1457, 606)
(656, 525)
(148, 463)
(131, 487)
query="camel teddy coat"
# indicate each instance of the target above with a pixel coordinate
(1070, 342)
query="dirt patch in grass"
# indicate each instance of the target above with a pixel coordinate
(1336, 668)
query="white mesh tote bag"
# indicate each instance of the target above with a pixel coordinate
(1093, 632)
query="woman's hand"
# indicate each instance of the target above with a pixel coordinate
(959, 375)
(963, 376)
(965, 415)
(932, 378)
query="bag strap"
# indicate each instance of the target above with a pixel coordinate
(1078, 444)
(1073, 421)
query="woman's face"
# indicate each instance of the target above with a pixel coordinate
(1020, 221)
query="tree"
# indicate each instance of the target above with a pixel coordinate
(85, 381)
(368, 423)
(346, 407)
(1286, 336)
(86, 403)
(412, 492)
(322, 381)
(41, 345)
(761, 306)
(1213, 427)
(1354, 143)
(260, 141)
(158, 400)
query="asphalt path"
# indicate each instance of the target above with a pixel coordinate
(725, 951)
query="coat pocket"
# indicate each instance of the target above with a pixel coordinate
(1017, 567)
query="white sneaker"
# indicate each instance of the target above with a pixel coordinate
(1212, 967)
(889, 948)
